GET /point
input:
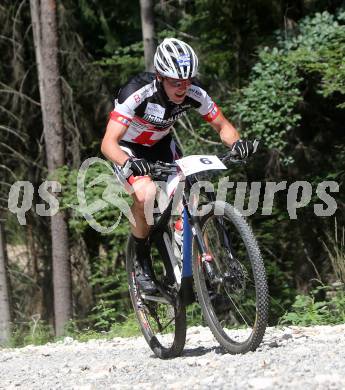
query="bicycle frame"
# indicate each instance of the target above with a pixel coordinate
(191, 227)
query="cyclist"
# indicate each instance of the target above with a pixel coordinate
(138, 131)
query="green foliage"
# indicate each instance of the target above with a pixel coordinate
(271, 104)
(108, 277)
(336, 252)
(111, 294)
(107, 25)
(35, 332)
(38, 332)
(105, 315)
(319, 50)
(194, 315)
(282, 291)
(126, 327)
(125, 62)
(101, 192)
(307, 310)
(223, 46)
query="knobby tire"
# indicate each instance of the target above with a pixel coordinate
(252, 281)
(143, 311)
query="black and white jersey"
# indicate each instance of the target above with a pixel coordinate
(143, 106)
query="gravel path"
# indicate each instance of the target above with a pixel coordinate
(289, 358)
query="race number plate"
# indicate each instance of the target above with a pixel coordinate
(199, 163)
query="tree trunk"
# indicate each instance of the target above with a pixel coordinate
(147, 26)
(44, 22)
(5, 313)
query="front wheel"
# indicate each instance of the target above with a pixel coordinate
(230, 280)
(162, 323)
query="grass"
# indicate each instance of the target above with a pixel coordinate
(336, 252)
(308, 309)
(37, 332)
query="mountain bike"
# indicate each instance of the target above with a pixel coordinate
(219, 253)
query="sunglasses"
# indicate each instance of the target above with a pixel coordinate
(175, 83)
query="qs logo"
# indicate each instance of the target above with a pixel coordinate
(113, 195)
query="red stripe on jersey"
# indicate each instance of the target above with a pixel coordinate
(119, 118)
(212, 115)
(142, 120)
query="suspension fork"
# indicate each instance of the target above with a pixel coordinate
(220, 220)
(192, 224)
(226, 238)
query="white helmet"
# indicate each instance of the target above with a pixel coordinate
(175, 59)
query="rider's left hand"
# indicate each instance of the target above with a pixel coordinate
(244, 148)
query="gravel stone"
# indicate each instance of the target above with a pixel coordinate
(298, 358)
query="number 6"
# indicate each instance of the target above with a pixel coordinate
(205, 160)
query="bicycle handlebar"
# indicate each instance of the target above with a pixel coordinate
(160, 168)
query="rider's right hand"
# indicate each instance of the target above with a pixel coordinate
(136, 167)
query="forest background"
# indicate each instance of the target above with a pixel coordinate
(277, 70)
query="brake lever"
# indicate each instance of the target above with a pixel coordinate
(161, 169)
(232, 157)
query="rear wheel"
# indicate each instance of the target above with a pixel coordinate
(232, 287)
(162, 321)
